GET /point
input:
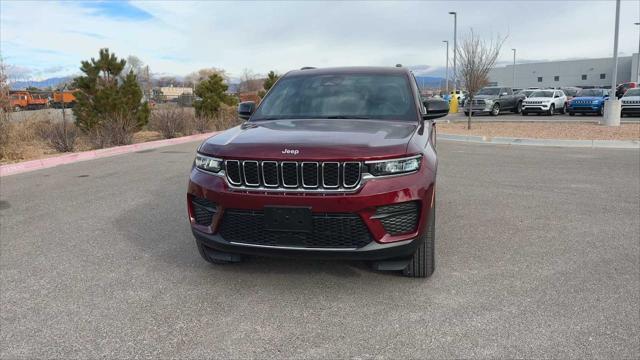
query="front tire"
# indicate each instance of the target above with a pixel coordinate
(564, 109)
(601, 111)
(552, 109)
(518, 108)
(422, 265)
(572, 114)
(495, 110)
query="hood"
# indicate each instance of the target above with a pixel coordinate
(630, 98)
(485, 97)
(539, 99)
(588, 98)
(312, 139)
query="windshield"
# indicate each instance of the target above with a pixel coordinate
(526, 92)
(542, 94)
(632, 92)
(489, 91)
(570, 92)
(352, 96)
(591, 92)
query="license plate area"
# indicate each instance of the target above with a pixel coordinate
(289, 219)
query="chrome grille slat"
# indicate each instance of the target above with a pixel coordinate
(330, 175)
(251, 168)
(294, 176)
(286, 172)
(307, 170)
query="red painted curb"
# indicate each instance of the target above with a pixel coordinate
(32, 165)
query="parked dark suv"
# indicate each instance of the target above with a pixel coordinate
(335, 163)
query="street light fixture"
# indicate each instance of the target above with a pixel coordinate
(446, 72)
(455, 48)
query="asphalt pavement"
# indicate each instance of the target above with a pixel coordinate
(538, 255)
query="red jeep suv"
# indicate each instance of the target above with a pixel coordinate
(336, 163)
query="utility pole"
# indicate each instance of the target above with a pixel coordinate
(612, 106)
(638, 61)
(446, 72)
(513, 83)
(455, 48)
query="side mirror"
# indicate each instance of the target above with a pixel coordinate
(503, 94)
(436, 108)
(556, 96)
(246, 109)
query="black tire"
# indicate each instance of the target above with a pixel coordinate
(423, 264)
(572, 114)
(466, 113)
(209, 259)
(564, 109)
(552, 109)
(518, 108)
(524, 113)
(495, 109)
(601, 111)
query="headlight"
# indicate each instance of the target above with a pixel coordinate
(595, 101)
(488, 101)
(208, 163)
(396, 166)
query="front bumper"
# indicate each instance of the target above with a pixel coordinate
(417, 187)
(535, 107)
(371, 252)
(630, 109)
(584, 108)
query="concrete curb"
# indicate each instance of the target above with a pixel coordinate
(32, 165)
(608, 144)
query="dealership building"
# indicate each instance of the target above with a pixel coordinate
(586, 73)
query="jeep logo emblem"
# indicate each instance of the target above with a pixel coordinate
(292, 152)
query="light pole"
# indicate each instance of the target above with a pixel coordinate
(455, 48)
(638, 62)
(446, 72)
(513, 82)
(612, 106)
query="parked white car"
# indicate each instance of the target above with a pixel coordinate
(545, 101)
(631, 102)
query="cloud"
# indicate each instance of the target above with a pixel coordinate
(116, 9)
(181, 37)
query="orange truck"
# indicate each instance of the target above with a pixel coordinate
(24, 100)
(63, 98)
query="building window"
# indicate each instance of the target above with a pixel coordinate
(603, 76)
(584, 77)
(539, 78)
(556, 78)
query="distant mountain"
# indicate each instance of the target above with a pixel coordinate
(429, 82)
(42, 84)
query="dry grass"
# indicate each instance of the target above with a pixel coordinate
(575, 131)
(30, 137)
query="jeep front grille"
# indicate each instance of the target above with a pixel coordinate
(293, 175)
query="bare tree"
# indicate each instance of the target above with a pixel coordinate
(142, 72)
(196, 77)
(476, 57)
(249, 81)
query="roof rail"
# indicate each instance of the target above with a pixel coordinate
(307, 68)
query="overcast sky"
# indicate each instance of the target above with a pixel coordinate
(45, 39)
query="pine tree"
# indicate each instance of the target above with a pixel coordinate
(212, 93)
(102, 100)
(271, 79)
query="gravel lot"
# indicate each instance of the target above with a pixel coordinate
(579, 131)
(538, 256)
